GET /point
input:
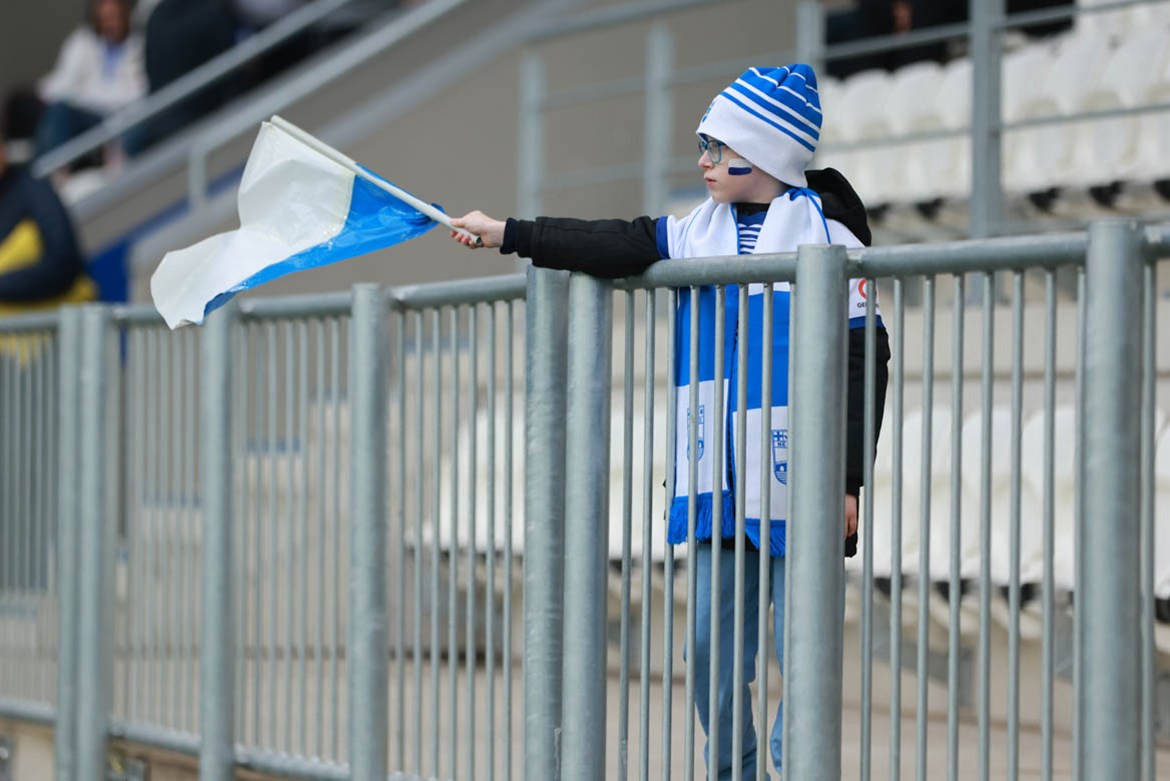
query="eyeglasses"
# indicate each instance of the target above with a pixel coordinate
(713, 148)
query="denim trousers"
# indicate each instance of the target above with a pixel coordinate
(701, 658)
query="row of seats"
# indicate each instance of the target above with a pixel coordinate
(969, 489)
(1110, 61)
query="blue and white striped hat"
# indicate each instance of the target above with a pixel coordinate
(771, 116)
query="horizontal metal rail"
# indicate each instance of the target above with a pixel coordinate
(24, 710)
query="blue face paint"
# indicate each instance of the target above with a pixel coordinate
(738, 167)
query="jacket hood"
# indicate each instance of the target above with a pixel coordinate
(840, 201)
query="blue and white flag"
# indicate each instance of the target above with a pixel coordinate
(301, 205)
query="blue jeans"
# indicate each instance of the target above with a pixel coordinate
(61, 122)
(701, 658)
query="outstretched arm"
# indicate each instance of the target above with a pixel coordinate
(603, 248)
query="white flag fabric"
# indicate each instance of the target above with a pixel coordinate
(299, 208)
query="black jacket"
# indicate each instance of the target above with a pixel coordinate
(624, 248)
(26, 201)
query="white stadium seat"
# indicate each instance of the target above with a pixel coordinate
(912, 108)
(870, 171)
(1040, 156)
(942, 168)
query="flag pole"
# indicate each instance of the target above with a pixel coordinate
(320, 146)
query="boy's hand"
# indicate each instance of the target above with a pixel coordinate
(490, 231)
(850, 515)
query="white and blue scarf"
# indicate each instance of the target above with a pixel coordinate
(794, 218)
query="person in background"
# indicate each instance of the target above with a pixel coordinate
(41, 266)
(182, 35)
(98, 72)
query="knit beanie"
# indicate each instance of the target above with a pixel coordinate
(770, 116)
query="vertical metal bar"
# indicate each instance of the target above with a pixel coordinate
(956, 524)
(668, 565)
(692, 519)
(367, 643)
(656, 137)
(924, 522)
(531, 142)
(867, 531)
(273, 608)
(419, 490)
(190, 671)
(986, 179)
(243, 445)
(896, 535)
(1048, 650)
(737, 642)
(627, 523)
(172, 525)
(335, 650)
(647, 547)
(94, 582)
(509, 402)
(1149, 400)
(1013, 715)
(322, 515)
(544, 519)
(763, 629)
(470, 598)
(400, 550)
(289, 563)
(1108, 636)
(810, 33)
(490, 590)
(586, 526)
(436, 520)
(453, 559)
(257, 526)
(813, 688)
(715, 619)
(985, 530)
(217, 685)
(69, 336)
(303, 511)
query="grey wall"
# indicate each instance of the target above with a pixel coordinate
(30, 37)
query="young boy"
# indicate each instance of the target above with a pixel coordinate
(757, 139)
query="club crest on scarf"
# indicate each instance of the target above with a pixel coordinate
(702, 415)
(780, 454)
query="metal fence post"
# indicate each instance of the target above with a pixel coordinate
(656, 137)
(68, 547)
(544, 518)
(217, 644)
(986, 136)
(812, 683)
(95, 635)
(1108, 633)
(586, 527)
(368, 663)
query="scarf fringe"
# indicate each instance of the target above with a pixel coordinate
(704, 516)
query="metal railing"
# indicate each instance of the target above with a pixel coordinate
(297, 549)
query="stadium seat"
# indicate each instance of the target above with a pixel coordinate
(912, 106)
(1030, 79)
(1162, 519)
(1149, 161)
(1105, 150)
(942, 168)
(872, 172)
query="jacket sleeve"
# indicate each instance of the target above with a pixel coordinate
(60, 264)
(855, 410)
(603, 248)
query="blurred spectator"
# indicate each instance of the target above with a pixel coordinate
(181, 35)
(98, 71)
(872, 18)
(40, 263)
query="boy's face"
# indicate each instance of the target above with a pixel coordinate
(732, 179)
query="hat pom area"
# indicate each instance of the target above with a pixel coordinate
(770, 116)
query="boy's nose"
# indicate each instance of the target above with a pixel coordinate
(704, 161)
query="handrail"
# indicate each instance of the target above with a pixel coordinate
(341, 64)
(185, 86)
